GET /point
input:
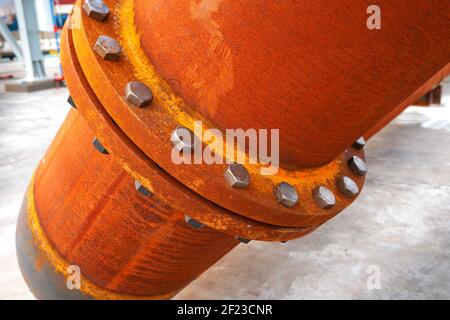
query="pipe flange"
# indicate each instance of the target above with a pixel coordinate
(144, 170)
(150, 129)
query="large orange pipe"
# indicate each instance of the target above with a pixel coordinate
(125, 244)
(311, 68)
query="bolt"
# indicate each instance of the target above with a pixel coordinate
(243, 240)
(99, 146)
(193, 223)
(96, 9)
(286, 194)
(141, 189)
(347, 186)
(183, 139)
(138, 94)
(237, 176)
(107, 48)
(71, 102)
(357, 165)
(359, 144)
(324, 197)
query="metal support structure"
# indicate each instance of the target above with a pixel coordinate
(29, 35)
(11, 40)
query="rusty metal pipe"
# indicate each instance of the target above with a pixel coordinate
(423, 89)
(310, 68)
(107, 198)
(127, 244)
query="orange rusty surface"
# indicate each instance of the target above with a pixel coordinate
(122, 241)
(150, 129)
(311, 68)
(142, 168)
(423, 89)
(45, 270)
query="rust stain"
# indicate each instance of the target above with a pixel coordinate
(185, 114)
(214, 77)
(59, 264)
(94, 213)
(40, 262)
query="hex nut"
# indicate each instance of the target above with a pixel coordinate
(324, 197)
(193, 223)
(71, 102)
(107, 48)
(359, 144)
(357, 165)
(141, 189)
(243, 240)
(347, 186)
(138, 94)
(96, 9)
(237, 176)
(286, 194)
(183, 139)
(97, 145)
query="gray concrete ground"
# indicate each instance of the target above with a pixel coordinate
(398, 229)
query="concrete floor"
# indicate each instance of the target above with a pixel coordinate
(400, 225)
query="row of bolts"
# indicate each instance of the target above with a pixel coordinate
(139, 95)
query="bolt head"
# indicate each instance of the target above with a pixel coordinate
(183, 139)
(324, 197)
(138, 94)
(237, 176)
(243, 240)
(96, 9)
(347, 186)
(286, 194)
(97, 145)
(193, 223)
(71, 102)
(357, 165)
(107, 48)
(141, 189)
(359, 144)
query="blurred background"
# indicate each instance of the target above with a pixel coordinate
(42, 21)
